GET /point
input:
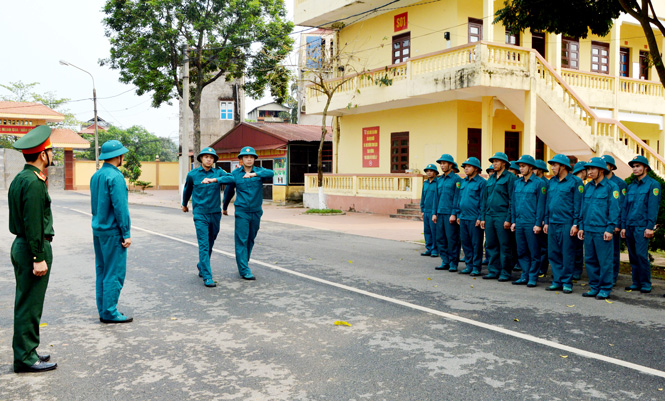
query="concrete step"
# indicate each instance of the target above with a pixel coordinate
(406, 217)
(412, 206)
(410, 212)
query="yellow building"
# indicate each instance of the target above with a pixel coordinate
(427, 78)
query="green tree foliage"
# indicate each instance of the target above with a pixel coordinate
(132, 168)
(576, 18)
(658, 240)
(145, 145)
(226, 38)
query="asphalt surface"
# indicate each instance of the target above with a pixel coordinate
(276, 338)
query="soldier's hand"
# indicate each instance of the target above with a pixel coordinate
(39, 268)
(607, 236)
(482, 225)
(185, 209)
(225, 212)
(623, 233)
(580, 235)
(617, 230)
(434, 219)
(537, 230)
(573, 231)
(512, 227)
(208, 180)
(647, 233)
(506, 225)
(545, 227)
(126, 243)
(452, 219)
(249, 175)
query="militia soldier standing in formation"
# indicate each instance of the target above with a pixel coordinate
(427, 205)
(445, 214)
(562, 214)
(30, 219)
(206, 205)
(469, 208)
(639, 221)
(600, 213)
(616, 239)
(580, 172)
(543, 263)
(527, 215)
(496, 219)
(111, 231)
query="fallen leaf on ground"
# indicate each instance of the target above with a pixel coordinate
(43, 324)
(342, 323)
(435, 286)
(556, 292)
(660, 389)
(570, 306)
(429, 278)
(174, 318)
(608, 301)
(471, 286)
(564, 356)
(629, 290)
(611, 345)
(582, 285)
(350, 261)
(517, 320)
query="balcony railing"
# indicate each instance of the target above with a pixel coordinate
(394, 186)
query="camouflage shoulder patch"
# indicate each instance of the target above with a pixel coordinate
(581, 189)
(616, 194)
(655, 191)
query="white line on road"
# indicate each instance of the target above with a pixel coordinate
(498, 329)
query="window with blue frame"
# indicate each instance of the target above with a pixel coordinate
(226, 110)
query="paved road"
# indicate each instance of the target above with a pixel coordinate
(415, 333)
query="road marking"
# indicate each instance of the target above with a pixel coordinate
(449, 316)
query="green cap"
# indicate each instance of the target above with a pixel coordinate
(35, 141)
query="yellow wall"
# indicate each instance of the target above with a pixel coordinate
(168, 174)
(649, 133)
(433, 130)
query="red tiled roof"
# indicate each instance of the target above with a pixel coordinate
(294, 132)
(263, 136)
(29, 110)
(91, 129)
(66, 138)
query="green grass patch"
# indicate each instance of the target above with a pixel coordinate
(323, 211)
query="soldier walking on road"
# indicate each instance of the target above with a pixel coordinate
(30, 219)
(445, 217)
(496, 219)
(562, 215)
(600, 213)
(206, 205)
(639, 222)
(111, 231)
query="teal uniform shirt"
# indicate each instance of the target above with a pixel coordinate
(564, 200)
(205, 198)
(600, 207)
(471, 198)
(498, 197)
(428, 196)
(528, 203)
(622, 194)
(447, 194)
(642, 204)
(249, 191)
(110, 211)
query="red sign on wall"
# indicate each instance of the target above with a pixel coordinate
(401, 22)
(371, 147)
(15, 129)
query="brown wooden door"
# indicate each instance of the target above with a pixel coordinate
(399, 152)
(570, 53)
(475, 30)
(600, 57)
(538, 42)
(512, 145)
(401, 47)
(624, 62)
(540, 149)
(474, 143)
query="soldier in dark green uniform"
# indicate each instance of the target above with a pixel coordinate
(30, 219)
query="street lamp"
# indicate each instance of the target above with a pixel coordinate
(94, 99)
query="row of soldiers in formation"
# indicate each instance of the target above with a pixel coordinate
(528, 221)
(31, 221)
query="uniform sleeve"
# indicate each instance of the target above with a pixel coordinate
(583, 207)
(422, 198)
(225, 178)
(511, 187)
(264, 172)
(458, 185)
(118, 194)
(578, 198)
(483, 199)
(513, 212)
(622, 201)
(614, 209)
(653, 205)
(187, 191)
(546, 211)
(229, 191)
(541, 197)
(33, 218)
(437, 192)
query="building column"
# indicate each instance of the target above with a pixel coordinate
(615, 48)
(553, 50)
(487, 127)
(530, 99)
(488, 18)
(661, 138)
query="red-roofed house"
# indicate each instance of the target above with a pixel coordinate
(291, 150)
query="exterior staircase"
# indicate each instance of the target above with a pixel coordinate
(411, 211)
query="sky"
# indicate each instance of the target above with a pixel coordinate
(36, 34)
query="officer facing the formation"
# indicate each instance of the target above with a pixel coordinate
(616, 238)
(427, 205)
(248, 204)
(469, 214)
(580, 172)
(206, 205)
(562, 215)
(30, 219)
(496, 219)
(445, 217)
(527, 215)
(600, 213)
(111, 233)
(639, 221)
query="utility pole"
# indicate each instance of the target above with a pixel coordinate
(184, 144)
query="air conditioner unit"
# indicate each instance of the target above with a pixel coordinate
(303, 109)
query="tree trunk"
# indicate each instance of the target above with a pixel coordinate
(196, 113)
